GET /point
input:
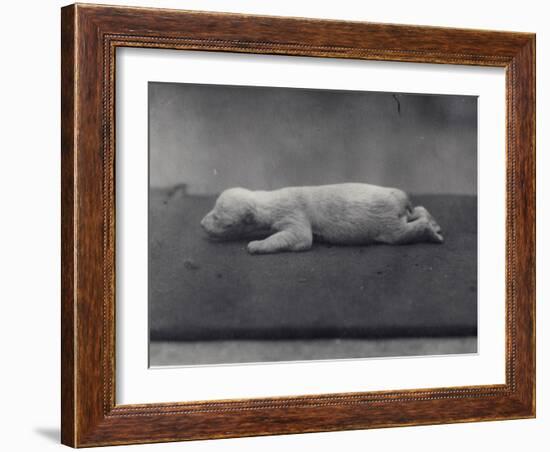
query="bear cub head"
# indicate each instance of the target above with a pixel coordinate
(233, 215)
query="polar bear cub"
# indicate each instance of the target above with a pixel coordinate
(290, 219)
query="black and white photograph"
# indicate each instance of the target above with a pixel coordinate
(292, 224)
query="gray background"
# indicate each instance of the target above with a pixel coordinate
(213, 137)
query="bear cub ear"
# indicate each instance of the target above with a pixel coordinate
(249, 218)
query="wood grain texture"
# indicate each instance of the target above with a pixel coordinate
(90, 36)
(68, 147)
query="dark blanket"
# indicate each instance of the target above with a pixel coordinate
(202, 290)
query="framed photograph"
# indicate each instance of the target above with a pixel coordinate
(280, 225)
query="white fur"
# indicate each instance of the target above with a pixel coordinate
(341, 214)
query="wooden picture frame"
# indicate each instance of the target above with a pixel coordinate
(90, 35)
